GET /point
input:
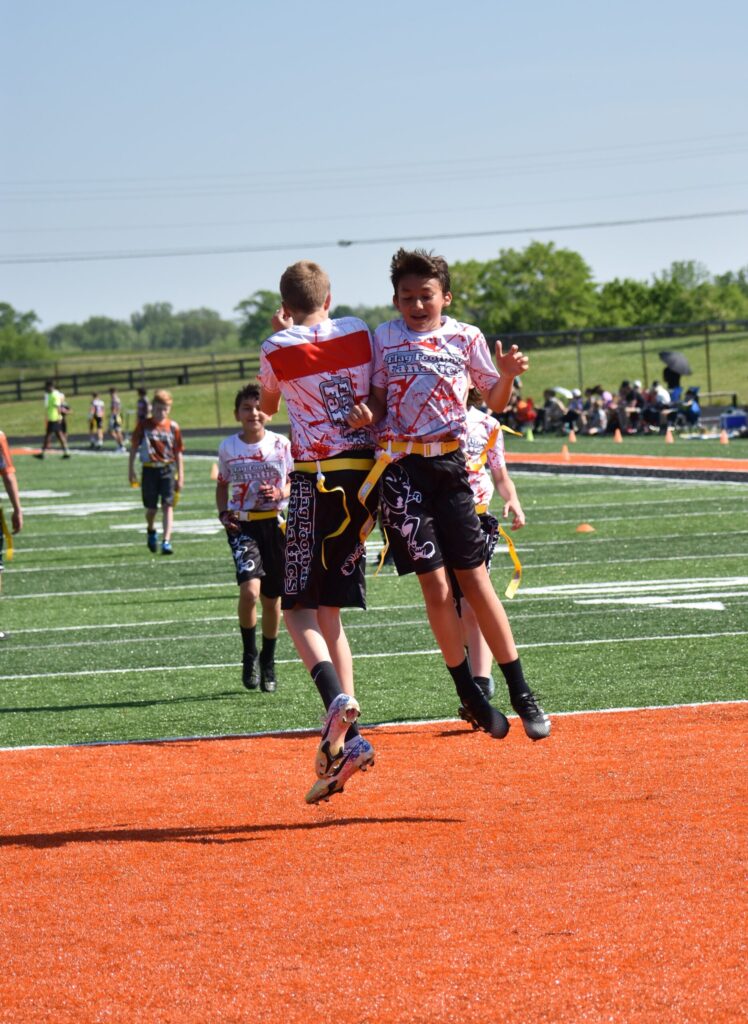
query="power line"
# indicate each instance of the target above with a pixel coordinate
(232, 250)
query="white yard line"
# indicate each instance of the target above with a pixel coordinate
(381, 655)
(377, 726)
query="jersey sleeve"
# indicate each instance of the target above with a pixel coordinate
(223, 470)
(495, 453)
(266, 377)
(483, 373)
(178, 440)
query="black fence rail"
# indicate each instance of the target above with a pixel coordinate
(245, 367)
(129, 378)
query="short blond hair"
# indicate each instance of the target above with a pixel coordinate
(304, 286)
(163, 396)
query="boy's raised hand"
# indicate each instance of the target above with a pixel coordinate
(511, 363)
(281, 320)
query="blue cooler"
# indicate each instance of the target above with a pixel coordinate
(733, 419)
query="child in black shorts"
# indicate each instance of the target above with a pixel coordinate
(252, 489)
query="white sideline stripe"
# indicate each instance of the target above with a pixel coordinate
(570, 589)
(97, 566)
(519, 616)
(115, 590)
(364, 657)
(364, 725)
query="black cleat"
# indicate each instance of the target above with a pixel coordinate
(537, 724)
(267, 676)
(251, 673)
(493, 722)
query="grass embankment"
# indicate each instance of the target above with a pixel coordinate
(207, 405)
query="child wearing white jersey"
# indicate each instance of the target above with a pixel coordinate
(424, 364)
(251, 490)
(321, 367)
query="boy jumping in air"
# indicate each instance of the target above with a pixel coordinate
(321, 367)
(252, 489)
(423, 366)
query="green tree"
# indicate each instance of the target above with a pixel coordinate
(624, 302)
(20, 342)
(256, 314)
(157, 326)
(204, 328)
(541, 288)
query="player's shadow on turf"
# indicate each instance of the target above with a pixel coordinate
(220, 835)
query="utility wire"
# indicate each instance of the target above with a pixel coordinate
(230, 250)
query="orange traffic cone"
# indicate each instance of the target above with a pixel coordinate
(669, 437)
(585, 528)
(572, 436)
(723, 438)
(214, 471)
(565, 453)
(617, 436)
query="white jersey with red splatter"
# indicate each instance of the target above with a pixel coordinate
(321, 371)
(483, 437)
(245, 467)
(427, 376)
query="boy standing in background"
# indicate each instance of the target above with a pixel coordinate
(158, 443)
(252, 489)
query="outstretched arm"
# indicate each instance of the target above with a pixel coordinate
(507, 490)
(510, 365)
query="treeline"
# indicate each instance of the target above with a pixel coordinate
(539, 288)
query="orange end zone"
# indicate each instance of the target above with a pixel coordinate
(594, 876)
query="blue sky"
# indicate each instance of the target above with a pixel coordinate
(140, 127)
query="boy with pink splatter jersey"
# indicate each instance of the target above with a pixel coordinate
(424, 365)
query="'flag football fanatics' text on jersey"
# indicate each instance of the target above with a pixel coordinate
(427, 377)
(483, 437)
(321, 371)
(246, 467)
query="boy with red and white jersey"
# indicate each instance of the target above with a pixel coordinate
(8, 474)
(424, 364)
(321, 367)
(158, 442)
(252, 488)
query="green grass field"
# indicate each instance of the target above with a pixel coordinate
(108, 642)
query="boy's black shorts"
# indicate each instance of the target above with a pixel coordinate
(258, 554)
(490, 529)
(158, 482)
(428, 511)
(312, 516)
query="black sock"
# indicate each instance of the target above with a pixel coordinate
(267, 654)
(249, 641)
(468, 691)
(515, 678)
(482, 681)
(326, 680)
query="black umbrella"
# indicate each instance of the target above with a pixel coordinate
(676, 362)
